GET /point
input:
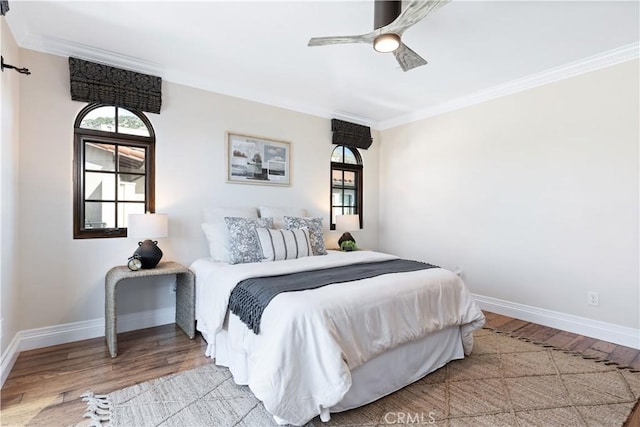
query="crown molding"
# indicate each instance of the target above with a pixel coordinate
(605, 59)
(353, 118)
(239, 91)
(236, 91)
(63, 47)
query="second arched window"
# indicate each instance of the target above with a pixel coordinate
(346, 183)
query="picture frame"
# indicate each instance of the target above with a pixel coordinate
(257, 160)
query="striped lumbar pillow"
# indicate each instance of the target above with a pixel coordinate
(280, 244)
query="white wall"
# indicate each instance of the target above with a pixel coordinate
(61, 279)
(9, 92)
(534, 195)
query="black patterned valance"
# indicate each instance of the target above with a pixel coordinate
(351, 134)
(4, 7)
(91, 82)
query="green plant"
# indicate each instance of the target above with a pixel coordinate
(348, 245)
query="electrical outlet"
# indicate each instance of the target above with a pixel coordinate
(592, 298)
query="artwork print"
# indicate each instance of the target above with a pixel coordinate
(255, 160)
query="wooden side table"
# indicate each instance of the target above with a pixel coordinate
(185, 297)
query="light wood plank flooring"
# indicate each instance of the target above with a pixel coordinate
(44, 386)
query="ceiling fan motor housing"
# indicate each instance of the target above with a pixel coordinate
(385, 12)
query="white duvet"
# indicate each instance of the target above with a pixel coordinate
(309, 341)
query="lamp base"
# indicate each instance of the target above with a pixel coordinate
(149, 253)
(346, 237)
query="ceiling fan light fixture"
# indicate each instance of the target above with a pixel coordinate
(386, 43)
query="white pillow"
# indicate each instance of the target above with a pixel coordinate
(216, 215)
(278, 214)
(278, 245)
(215, 229)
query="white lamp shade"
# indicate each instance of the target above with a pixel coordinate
(347, 222)
(147, 226)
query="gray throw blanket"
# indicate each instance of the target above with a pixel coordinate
(250, 296)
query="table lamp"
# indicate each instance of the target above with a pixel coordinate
(148, 226)
(347, 223)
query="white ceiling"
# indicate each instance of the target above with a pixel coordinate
(258, 50)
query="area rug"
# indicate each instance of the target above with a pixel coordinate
(505, 382)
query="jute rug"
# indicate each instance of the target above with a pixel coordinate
(505, 382)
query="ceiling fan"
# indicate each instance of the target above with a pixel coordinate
(389, 24)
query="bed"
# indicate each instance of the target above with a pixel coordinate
(339, 346)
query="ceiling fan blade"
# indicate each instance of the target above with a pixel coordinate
(324, 41)
(414, 12)
(407, 58)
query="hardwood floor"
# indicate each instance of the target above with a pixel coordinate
(44, 386)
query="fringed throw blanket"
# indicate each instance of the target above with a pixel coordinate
(251, 296)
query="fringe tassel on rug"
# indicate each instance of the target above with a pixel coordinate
(98, 409)
(565, 351)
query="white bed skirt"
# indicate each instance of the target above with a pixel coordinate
(380, 376)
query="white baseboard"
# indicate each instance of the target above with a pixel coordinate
(9, 358)
(604, 331)
(77, 331)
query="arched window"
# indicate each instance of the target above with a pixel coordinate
(346, 183)
(114, 170)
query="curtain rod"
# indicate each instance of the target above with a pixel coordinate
(20, 70)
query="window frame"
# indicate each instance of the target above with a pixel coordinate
(83, 135)
(347, 167)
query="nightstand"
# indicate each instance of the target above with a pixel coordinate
(185, 297)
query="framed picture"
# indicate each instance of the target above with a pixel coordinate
(255, 160)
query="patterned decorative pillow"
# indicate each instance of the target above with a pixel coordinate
(243, 243)
(316, 232)
(278, 244)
